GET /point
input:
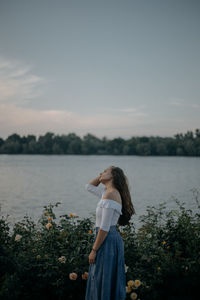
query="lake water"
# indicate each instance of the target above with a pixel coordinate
(28, 182)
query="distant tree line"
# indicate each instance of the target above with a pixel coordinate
(180, 144)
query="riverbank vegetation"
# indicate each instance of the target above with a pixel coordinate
(187, 144)
(49, 259)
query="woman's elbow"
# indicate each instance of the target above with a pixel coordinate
(104, 231)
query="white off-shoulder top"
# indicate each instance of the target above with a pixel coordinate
(108, 211)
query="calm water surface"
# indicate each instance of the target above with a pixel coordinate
(28, 182)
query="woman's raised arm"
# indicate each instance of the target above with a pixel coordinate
(92, 186)
(95, 181)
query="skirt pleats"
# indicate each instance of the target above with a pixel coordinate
(106, 276)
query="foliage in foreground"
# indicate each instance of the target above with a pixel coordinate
(49, 260)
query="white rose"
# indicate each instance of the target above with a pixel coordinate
(62, 259)
(126, 268)
(133, 296)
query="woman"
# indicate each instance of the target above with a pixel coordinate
(106, 277)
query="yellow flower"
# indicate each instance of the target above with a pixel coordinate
(73, 276)
(130, 283)
(163, 242)
(134, 287)
(128, 289)
(48, 225)
(133, 296)
(73, 215)
(85, 276)
(137, 283)
(18, 237)
(158, 268)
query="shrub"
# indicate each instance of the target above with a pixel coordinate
(50, 259)
(165, 252)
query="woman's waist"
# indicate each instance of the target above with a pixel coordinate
(112, 228)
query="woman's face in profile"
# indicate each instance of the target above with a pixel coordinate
(106, 175)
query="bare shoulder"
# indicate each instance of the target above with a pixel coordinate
(113, 195)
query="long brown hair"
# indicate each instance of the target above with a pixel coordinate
(120, 182)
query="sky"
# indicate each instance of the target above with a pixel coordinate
(114, 68)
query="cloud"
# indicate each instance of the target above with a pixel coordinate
(176, 101)
(17, 83)
(23, 120)
(128, 111)
(182, 103)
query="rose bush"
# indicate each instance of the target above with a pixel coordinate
(49, 260)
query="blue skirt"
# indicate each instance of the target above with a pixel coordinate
(106, 276)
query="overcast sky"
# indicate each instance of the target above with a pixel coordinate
(110, 68)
